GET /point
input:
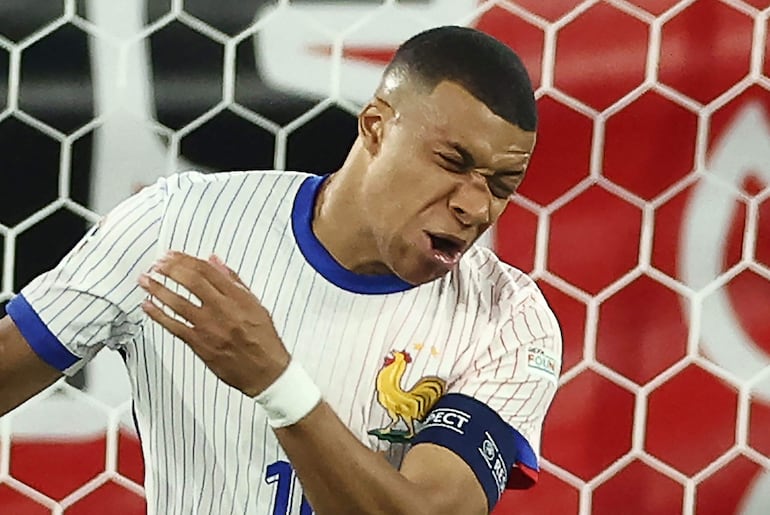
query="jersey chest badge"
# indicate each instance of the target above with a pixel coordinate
(404, 406)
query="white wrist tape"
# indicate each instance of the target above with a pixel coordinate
(290, 398)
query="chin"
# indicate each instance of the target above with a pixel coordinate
(414, 267)
(417, 274)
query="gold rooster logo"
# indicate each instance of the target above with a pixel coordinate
(409, 406)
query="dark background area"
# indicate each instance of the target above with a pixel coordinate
(56, 88)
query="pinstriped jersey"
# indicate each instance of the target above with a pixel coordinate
(483, 330)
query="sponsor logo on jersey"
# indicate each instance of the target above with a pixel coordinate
(494, 460)
(541, 363)
(448, 418)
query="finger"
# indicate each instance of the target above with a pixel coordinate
(178, 304)
(222, 267)
(197, 275)
(175, 327)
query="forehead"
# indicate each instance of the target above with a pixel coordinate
(450, 113)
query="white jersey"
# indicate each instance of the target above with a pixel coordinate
(483, 330)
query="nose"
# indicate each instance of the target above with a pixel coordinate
(470, 202)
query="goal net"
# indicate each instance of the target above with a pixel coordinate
(645, 216)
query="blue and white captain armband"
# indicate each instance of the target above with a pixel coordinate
(499, 455)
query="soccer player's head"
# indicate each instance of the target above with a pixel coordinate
(447, 139)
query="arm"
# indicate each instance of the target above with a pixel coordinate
(22, 373)
(480, 439)
(454, 466)
(63, 317)
(339, 475)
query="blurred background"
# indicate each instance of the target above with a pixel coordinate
(645, 216)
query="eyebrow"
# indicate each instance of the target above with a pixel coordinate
(468, 160)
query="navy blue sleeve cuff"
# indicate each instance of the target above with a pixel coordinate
(38, 336)
(498, 454)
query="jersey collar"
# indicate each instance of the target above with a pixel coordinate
(320, 259)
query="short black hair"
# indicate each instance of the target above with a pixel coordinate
(485, 67)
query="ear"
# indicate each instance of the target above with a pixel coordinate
(370, 128)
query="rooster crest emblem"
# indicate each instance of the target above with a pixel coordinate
(409, 406)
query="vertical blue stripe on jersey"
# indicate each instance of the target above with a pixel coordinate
(320, 259)
(40, 338)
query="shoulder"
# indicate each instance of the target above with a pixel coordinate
(195, 180)
(487, 272)
(197, 192)
(522, 322)
(508, 289)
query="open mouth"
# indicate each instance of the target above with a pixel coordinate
(446, 249)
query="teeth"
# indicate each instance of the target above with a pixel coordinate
(444, 245)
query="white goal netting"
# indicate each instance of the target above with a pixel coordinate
(645, 216)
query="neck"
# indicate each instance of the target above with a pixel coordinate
(338, 222)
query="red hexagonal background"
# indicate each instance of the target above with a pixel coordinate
(641, 330)
(723, 119)
(759, 4)
(572, 150)
(617, 52)
(767, 50)
(47, 466)
(759, 422)
(578, 243)
(650, 133)
(669, 230)
(712, 25)
(571, 314)
(723, 492)
(130, 462)
(661, 493)
(16, 503)
(691, 420)
(656, 7)
(563, 153)
(576, 408)
(763, 233)
(120, 500)
(745, 291)
(551, 10)
(525, 38)
(518, 246)
(551, 495)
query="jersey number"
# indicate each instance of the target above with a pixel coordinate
(282, 473)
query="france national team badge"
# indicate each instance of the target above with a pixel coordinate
(406, 407)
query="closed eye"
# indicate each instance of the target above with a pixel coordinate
(451, 163)
(504, 186)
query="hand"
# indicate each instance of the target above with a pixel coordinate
(231, 331)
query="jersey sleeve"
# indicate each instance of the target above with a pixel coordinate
(516, 376)
(91, 298)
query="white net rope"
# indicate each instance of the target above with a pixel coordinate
(122, 42)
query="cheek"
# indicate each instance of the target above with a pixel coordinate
(498, 208)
